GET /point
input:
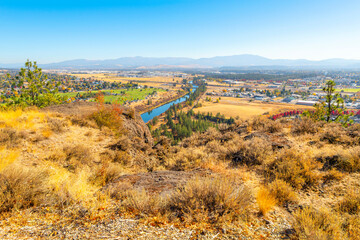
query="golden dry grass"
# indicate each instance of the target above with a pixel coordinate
(18, 119)
(70, 168)
(266, 200)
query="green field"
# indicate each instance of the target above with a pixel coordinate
(348, 90)
(130, 94)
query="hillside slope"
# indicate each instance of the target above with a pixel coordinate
(66, 172)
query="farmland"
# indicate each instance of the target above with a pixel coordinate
(123, 94)
(244, 109)
(348, 90)
(155, 81)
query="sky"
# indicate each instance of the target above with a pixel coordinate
(52, 31)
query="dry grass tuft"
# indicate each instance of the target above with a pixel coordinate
(350, 203)
(347, 160)
(333, 175)
(282, 191)
(78, 154)
(21, 187)
(313, 224)
(20, 119)
(352, 226)
(7, 157)
(57, 125)
(105, 173)
(138, 201)
(70, 188)
(11, 137)
(350, 160)
(265, 200)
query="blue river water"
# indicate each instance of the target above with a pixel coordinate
(147, 116)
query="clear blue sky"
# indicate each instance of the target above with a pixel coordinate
(51, 31)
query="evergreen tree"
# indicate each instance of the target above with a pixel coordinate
(33, 88)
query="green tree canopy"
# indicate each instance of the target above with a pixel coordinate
(30, 87)
(333, 108)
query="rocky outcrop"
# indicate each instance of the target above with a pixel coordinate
(136, 127)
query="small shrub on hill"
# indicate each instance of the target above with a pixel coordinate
(251, 152)
(186, 159)
(139, 201)
(273, 127)
(257, 123)
(208, 200)
(109, 117)
(304, 125)
(105, 173)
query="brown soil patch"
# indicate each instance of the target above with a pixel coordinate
(156, 182)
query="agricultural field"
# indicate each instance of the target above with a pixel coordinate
(126, 94)
(242, 108)
(353, 90)
(149, 81)
(348, 90)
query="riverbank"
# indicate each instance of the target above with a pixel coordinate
(184, 106)
(142, 109)
(149, 115)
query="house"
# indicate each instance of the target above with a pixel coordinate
(306, 103)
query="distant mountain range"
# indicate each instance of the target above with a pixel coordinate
(244, 61)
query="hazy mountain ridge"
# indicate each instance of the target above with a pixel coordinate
(244, 60)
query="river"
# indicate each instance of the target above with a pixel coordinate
(147, 116)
